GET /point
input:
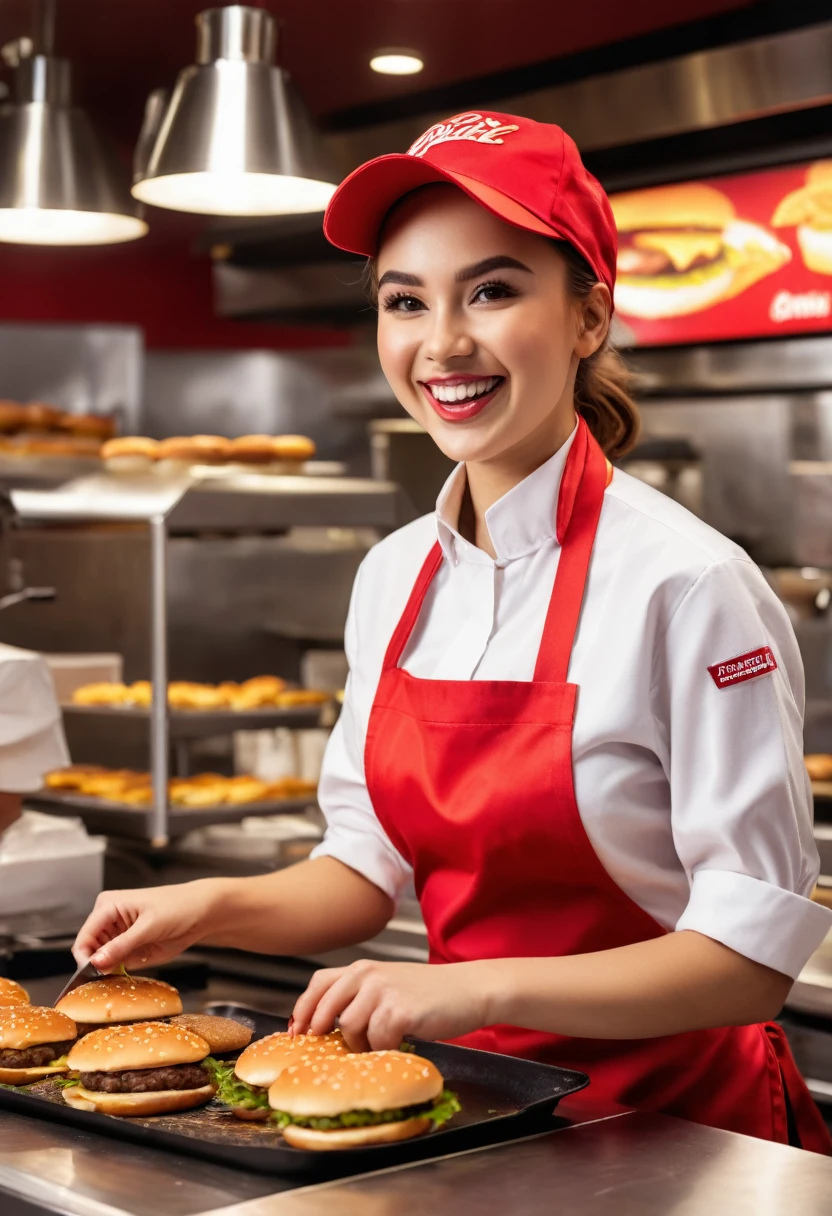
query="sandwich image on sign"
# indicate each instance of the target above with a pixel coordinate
(352, 1101)
(244, 1086)
(147, 1068)
(34, 1042)
(682, 249)
(12, 993)
(115, 999)
(809, 210)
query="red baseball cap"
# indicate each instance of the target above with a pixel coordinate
(527, 173)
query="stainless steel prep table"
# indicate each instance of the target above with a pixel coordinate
(626, 1164)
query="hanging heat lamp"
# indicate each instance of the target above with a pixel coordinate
(235, 138)
(59, 183)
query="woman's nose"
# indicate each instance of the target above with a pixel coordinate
(448, 337)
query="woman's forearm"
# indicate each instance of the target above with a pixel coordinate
(683, 981)
(306, 909)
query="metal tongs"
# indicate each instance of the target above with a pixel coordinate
(84, 973)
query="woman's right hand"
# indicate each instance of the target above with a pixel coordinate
(146, 926)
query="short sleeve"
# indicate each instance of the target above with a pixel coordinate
(354, 835)
(741, 801)
(31, 735)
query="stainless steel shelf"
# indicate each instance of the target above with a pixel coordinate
(115, 819)
(201, 724)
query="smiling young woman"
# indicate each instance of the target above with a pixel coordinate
(573, 718)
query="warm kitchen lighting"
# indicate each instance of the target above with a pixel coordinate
(58, 183)
(235, 138)
(396, 63)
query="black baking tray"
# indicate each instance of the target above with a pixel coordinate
(502, 1098)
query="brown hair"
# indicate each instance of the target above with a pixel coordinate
(603, 384)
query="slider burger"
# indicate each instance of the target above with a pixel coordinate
(376, 1097)
(672, 254)
(244, 1086)
(149, 1068)
(33, 1043)
(119, 999)
(12, 993)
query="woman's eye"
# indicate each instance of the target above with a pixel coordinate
(486, 293)
(402, 303)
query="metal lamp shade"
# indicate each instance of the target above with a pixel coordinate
(236, 138)
(58, 183)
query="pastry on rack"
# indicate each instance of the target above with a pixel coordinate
(72, 777)
(292, 698)
(111, 784)
(293, 447)
(246, 789)
(195, 449)
(102, 693)
(257, 693)
(12, 417)
(41, 417)
(88, 426)
(183, 694)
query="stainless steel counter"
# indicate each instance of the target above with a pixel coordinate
(626, 1164)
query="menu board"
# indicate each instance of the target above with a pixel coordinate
(744, 256)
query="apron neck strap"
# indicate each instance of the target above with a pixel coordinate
(583, 484)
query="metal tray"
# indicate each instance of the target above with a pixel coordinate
(204, 723)
(116, 819)
(502, 1098)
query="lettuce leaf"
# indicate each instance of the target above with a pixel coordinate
(231, 1091)
(439, 1112)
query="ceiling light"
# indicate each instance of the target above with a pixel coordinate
(396, 62)
(235, 138)
(59, 184)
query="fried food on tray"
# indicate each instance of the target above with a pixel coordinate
(257, 693)
(133, 788)
(103, 693)
(111, 785)
(246, 789)
(185, 695)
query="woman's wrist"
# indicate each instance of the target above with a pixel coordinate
(218, 910)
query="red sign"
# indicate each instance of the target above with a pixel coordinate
(746, 256)
(743, 667)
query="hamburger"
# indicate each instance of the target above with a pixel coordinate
(809, 210)
(377, 1097)
(34, 1042)
(673, 258)
(244, 1086)
(148, 1068)
(12, 993)
(119, 999)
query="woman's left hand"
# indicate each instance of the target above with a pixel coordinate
(379, 1004)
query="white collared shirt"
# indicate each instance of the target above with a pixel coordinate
(31, 735)
(695, 797)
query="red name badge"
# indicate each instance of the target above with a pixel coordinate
(743, 667)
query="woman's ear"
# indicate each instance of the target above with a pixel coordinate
(595, 314)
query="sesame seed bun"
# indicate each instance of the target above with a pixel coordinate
(311, 1139)
(221, 1034)
(12, 993)
(160, 1102)
(684, 205)
(23, 1026)
(140, 1045)
(375, 1081)
(264, 1061)
(121, 998)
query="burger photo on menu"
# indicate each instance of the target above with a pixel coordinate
(377, 1097)
(809, 211)
(244, 1086)
(117, 999)
(34, 1042)
(146, 1068)
(682, 249)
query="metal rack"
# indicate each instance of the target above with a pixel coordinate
(193, 501)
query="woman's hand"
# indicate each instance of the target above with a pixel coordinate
(147, 926)
(379, 1004)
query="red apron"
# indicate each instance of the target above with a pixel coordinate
(472, 782)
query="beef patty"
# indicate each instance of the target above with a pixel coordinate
(146, 1080)
(34, 1057)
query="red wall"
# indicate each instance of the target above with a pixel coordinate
(166, 291)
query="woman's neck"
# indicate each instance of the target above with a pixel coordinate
(487, 481)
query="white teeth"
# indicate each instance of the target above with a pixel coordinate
(451, 394)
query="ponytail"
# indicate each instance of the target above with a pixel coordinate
(603, 384)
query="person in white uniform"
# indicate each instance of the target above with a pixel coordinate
(574, 714)
(31, 735)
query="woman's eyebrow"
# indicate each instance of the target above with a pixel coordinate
(500, 262)
(399, 276)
